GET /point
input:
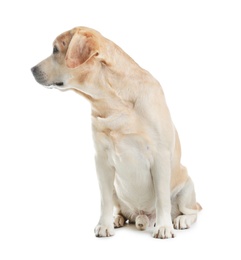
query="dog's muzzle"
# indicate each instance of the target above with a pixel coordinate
(40, 76)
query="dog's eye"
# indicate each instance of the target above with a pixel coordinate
(55, 50)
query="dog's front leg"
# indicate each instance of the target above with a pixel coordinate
(106, 175)
(161, 174)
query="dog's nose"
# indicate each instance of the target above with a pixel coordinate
(34, 69)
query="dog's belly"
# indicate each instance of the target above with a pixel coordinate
(131, 157)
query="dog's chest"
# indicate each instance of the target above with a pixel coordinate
(126, 143)
(131, 157)
(130, 153)
(125, 151)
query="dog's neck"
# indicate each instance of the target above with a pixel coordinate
(107, 92)
(112, 87)
(110, 104)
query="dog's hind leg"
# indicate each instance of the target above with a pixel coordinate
(187, 207)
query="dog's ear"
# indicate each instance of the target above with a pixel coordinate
(81, 48)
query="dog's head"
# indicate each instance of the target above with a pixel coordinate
(74, 54)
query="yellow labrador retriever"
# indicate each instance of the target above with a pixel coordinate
(137, 146)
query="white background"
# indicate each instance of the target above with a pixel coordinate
(49, 197)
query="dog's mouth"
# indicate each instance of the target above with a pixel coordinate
(59, 84)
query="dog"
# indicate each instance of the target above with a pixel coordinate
(137, 147)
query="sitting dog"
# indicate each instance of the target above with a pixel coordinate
(137, 146)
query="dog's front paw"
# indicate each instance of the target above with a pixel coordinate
(104, 231)
(163, 232)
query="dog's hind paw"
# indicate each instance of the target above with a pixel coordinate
(184, 221)
(119, 221)
(142, 222)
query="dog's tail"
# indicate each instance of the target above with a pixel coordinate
(142, 222)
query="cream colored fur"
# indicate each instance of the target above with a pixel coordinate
(137, 146)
